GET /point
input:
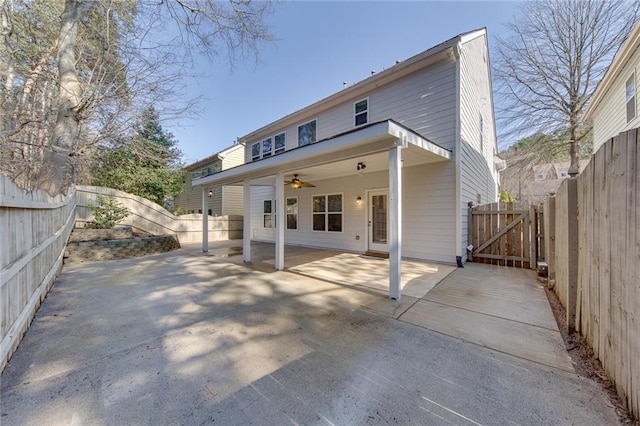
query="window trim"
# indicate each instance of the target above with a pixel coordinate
(632, 99)
(271, 215)
(316, 133)
(277, 150)
(266, 154)
(356, 114)
(297, 213)
(259, 156)
(327, 212)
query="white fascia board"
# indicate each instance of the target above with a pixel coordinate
(417, 140)
(289, 158)
(374, 138)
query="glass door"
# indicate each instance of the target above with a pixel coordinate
(378, 225)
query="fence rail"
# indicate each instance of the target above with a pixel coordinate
(502, 234)
(34, 231)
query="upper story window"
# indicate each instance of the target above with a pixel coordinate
(361, 112)
(266, 147)
(481, 133)
(280, 143)
(631, 97)
(307, 133)
(255, 151)
(272, 145)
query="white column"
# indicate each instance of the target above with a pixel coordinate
(395, 221)
(205, 221)
(246, 227)
(280, 216)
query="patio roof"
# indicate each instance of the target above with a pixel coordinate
(333, 157)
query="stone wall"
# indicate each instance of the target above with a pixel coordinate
(90, 234)
(84, 251)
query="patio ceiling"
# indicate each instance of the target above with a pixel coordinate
(336, 157)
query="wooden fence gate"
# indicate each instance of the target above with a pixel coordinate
(504, 234)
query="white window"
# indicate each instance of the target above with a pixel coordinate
(280, 143)
(255, 151)
(266, 148)
(481, 133)
(361, 112)
(307, 133)
(327, 213)
(267, 212)
(195, 175)
(631, 97)
(292, 213)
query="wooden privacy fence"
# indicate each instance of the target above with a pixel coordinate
(503, 234)
(597, 259)
(34, 229)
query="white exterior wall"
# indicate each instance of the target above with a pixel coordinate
(225, 200)
(477, 170)
(610, 116)
(423, 101)
(428, 230)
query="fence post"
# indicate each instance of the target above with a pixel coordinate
(549, 217)
(571, 235)
(470, 234)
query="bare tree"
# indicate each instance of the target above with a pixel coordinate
(549, 65)
(78, 73)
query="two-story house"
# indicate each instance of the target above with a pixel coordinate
(221, 200)
(388, 164)
(614, 105)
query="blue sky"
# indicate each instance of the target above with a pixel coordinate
(319, 45)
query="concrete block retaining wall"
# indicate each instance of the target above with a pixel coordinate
(83, 251)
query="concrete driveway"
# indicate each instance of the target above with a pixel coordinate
(182, 338)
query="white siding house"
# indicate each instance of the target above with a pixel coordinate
(224, 200)
(394, 160)
(614, 104)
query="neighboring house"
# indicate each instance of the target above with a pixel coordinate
(221, 200)
(533, 185)
(395, 160)
(614, 104)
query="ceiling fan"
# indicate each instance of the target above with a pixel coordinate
(297, 183)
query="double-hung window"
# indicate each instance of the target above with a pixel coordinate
(307, 133)
(292, 213)
(279, 140)
(630, 95)
(327, 213)
(267, 213)
(361, 112)
(255, 151)
(266, 147)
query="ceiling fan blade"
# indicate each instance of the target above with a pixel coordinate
(307, 185)
(288, 182)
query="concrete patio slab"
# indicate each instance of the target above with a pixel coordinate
(188, 338)
(496, 307)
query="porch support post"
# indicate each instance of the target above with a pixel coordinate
(246, 221)
(280, 215)
(205, 221)
(395, 220)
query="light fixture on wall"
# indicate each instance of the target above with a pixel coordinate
(359, 200)
(210, 193)
(361, 166)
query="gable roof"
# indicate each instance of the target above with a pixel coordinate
(212, 158)
(622, 56)
(397, 71)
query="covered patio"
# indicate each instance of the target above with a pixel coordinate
(384, 146)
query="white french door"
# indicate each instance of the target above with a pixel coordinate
(378, 223)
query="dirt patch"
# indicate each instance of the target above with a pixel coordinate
(584, 360)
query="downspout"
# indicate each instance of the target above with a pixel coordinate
(458, 190)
